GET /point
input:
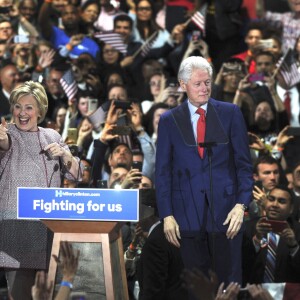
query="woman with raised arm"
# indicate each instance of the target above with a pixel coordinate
(30, 156)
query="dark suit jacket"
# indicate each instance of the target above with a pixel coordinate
(182, 177)
(159, 269)
(287, 267)
(53, 103)
(4, 104)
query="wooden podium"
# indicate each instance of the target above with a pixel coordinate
(106, 233)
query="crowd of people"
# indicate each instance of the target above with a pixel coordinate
(80, 109)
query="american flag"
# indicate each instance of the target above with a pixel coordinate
(148, 44)
(287, 67)
(69, 84)
(113, 39)
(199, 19)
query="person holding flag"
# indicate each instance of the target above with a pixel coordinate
(220, 23)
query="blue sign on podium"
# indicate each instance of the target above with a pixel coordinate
(78, 204)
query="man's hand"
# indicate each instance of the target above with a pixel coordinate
(200, 285)
(259, 195)
(113, 114)
(283, 137)
(127, 61)
(132, 179)
(94, 83)
(171, 230)
(230, 293)
(135, 116)
(262, 228)
(235, 220)
(76, 39)
(68, 261)
(256, 143)
(258, 293)
(270, 83)
(84, 131)
(178, 33)
(289, 236)
(244, 83)
(41, 289)
(106, 133)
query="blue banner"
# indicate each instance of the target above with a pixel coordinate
(78, 204)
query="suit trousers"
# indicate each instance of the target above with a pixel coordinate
(213, 251)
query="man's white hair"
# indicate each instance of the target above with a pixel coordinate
(191, 63)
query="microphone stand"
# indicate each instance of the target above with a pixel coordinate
(208, 146)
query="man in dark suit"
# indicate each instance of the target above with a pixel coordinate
(55, 92)
(278, 207)
(204, 221)
(9, 77)
(160, 267)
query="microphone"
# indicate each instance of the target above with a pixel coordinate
(55, 169)
(78, 173)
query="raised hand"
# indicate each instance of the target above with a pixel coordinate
(42, 288)
(46, 59)
(4, 141)
(68, 262)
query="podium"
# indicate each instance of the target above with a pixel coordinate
(106, 233)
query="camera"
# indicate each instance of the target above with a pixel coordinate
(121, 130)
(5, 9)
(196, 35)
(92, 105)
(73, 149)
(102, 184)
(94, 72)
(137, 165)
(122, 104)
(229, 67)
(21, 39)
(244, 294)
(256, 77)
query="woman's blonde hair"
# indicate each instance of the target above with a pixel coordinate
(37, 91)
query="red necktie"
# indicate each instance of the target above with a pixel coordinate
(287, 103)
(201, 130)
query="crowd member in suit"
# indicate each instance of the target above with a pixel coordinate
(30, 156)
(223, 25)
(55, 92)
(267, 174)
(205, 227)
(9, 77)
(279, 207)
(160, 267)
(123, 25)
(267, 170)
